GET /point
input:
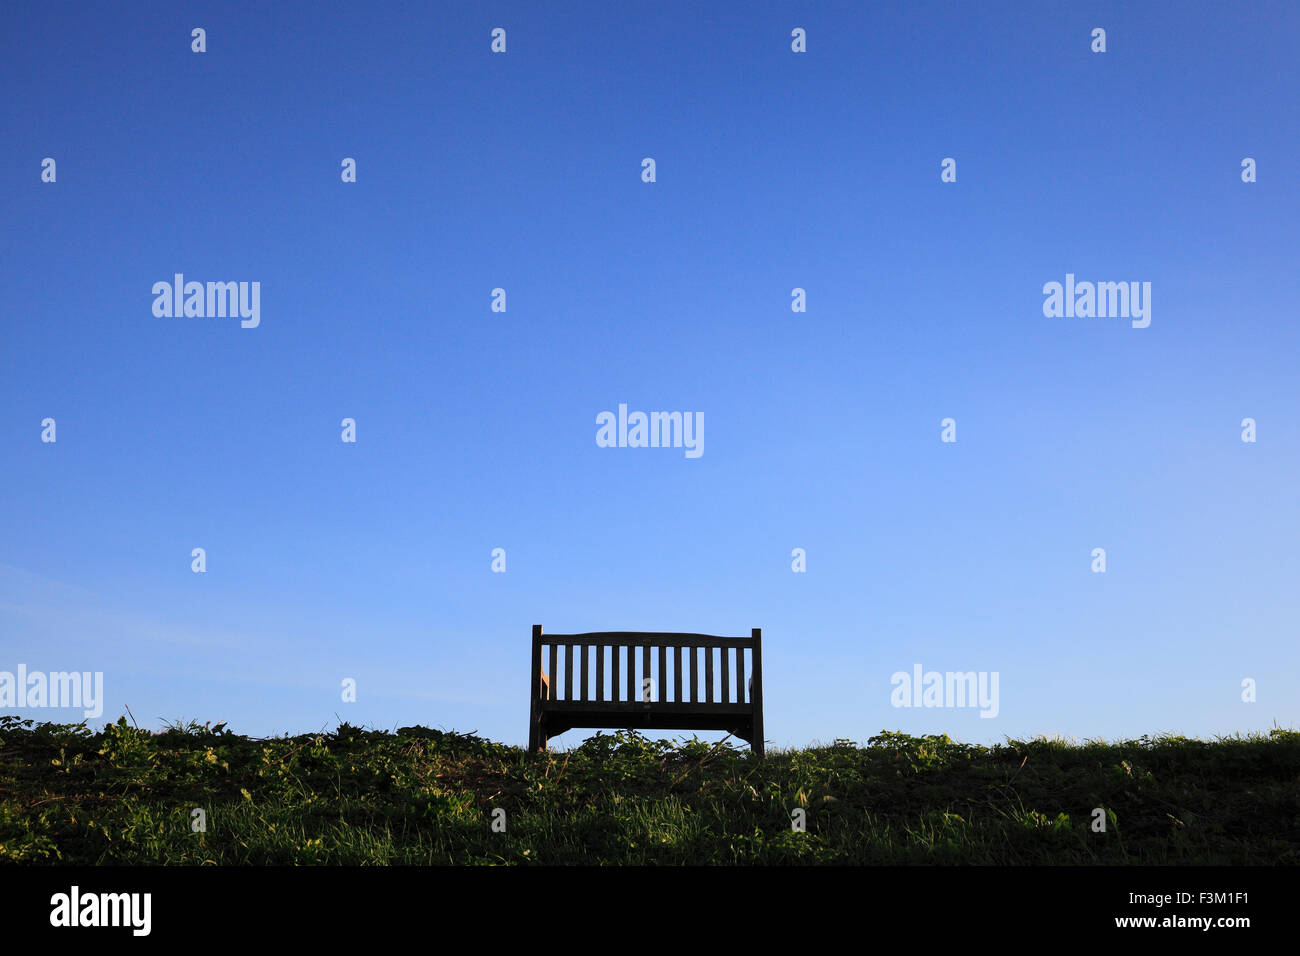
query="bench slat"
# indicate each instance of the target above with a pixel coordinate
(645, 673)
(695, 695)
(568, 672)
(600, 672)
(677, 674)
(613, 673)
(663, 673)
(708, 675)
(740, 675)
(582, 658)
(555, 674)
(726, 678)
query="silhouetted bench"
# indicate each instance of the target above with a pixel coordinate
(618, 696)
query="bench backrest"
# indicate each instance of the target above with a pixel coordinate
(612, 667)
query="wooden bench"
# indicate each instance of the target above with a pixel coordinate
(618, 695)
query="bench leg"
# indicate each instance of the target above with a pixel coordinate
(537, 735)
(752, 734)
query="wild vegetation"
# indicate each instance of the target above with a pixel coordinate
(420, 796)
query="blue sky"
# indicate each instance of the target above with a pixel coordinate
(476, 430)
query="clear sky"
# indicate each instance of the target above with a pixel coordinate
(476, 429)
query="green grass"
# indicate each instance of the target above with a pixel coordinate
(421, 796)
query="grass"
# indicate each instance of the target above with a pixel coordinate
(421, 796)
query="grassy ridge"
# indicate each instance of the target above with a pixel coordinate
(421, 796)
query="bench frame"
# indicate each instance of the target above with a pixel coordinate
(551, 714)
